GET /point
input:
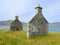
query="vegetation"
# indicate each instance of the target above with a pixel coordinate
(19, 38)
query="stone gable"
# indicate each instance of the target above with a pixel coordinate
(16, 25)
(38, 25)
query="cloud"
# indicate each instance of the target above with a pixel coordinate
(24, 8)
(54, 7)
(52, 11)
(10, 8)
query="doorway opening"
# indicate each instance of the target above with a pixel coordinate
(17, 29)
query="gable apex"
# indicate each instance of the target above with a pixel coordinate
(38, 6)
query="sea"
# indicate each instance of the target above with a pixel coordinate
(4, 27)
(50, 28)
(54, 28)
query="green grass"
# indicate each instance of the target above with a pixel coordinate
(19, 38)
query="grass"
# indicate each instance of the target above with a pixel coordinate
(19, 38)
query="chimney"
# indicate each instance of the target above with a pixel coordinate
(38, 9)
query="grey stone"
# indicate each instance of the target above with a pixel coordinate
(38, 25)
(16, 25)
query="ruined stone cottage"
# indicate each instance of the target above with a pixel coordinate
(16, 25)
(38, 25)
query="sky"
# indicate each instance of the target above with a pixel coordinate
(25, 9)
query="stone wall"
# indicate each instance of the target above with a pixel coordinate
(33, 30)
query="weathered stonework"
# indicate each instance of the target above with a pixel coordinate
(16, 25)
(38, 25)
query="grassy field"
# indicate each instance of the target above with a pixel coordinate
(19, 38)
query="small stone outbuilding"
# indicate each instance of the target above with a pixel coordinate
(16, 25)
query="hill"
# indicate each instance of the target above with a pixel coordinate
(5, 23)
(55, 24)
(19, 38)
(8, 22)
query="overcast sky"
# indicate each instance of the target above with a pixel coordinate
(25, 9)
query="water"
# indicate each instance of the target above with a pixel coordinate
(54, 28)
(4, 27)
(50, 28)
